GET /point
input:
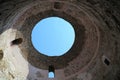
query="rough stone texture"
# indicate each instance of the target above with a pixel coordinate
(97, 27)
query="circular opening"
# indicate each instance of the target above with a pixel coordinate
(53, 36)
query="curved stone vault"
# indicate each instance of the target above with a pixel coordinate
(95, 54)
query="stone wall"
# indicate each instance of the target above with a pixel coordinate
(94, 55)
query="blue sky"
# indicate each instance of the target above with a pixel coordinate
(53, 36)
(51, 75)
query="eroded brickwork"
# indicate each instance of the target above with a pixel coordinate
(97, 27)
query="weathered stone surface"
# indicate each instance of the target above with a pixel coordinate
(97, 27)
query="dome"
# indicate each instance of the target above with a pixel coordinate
(94, 54)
